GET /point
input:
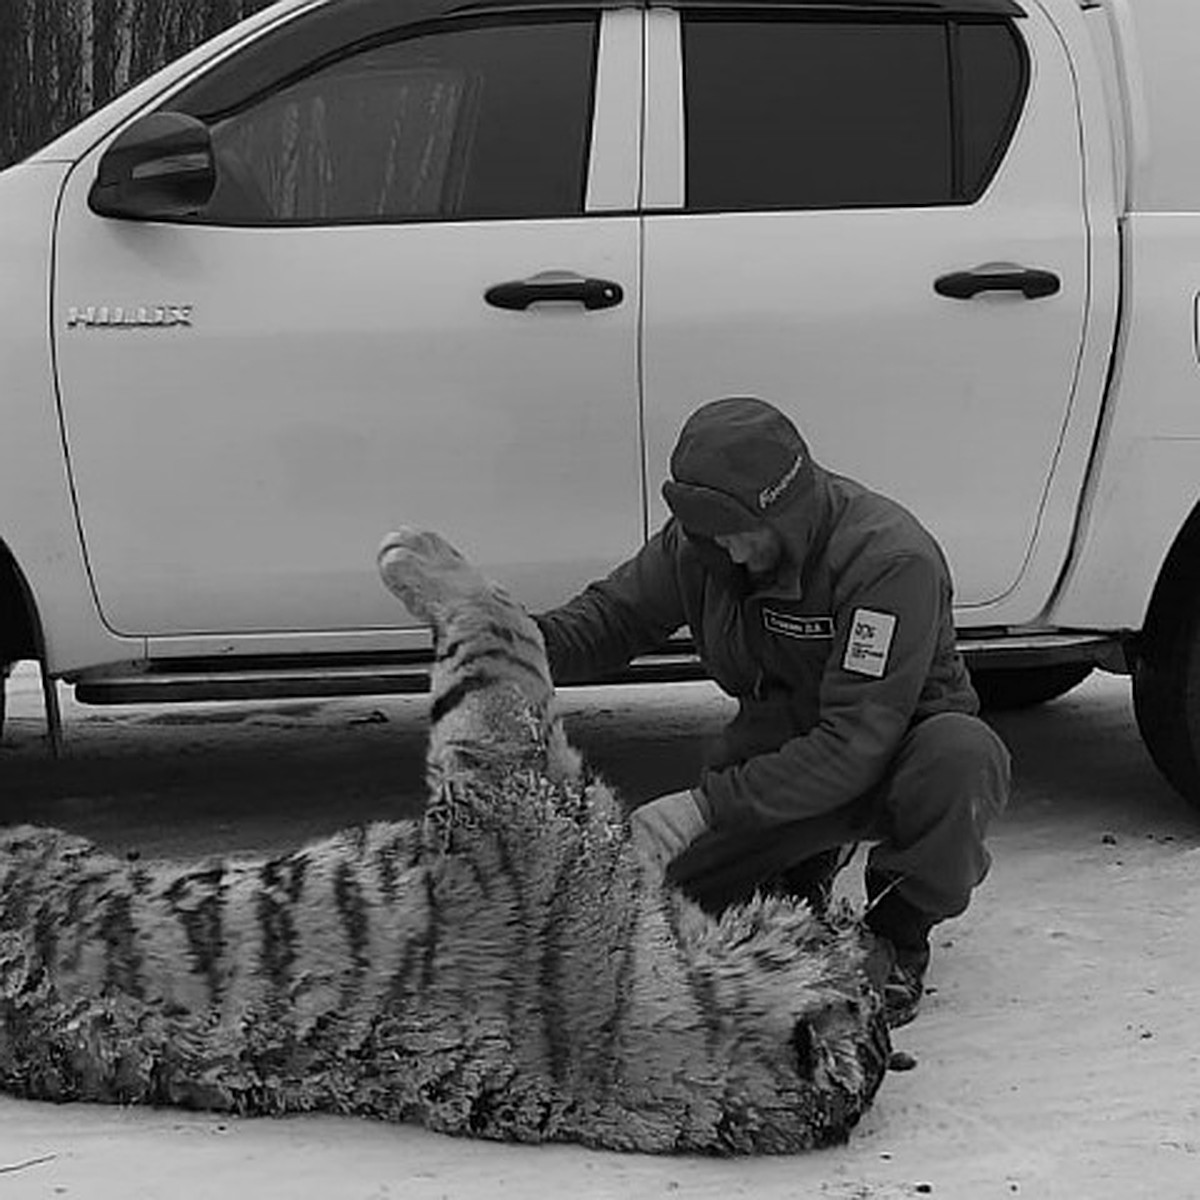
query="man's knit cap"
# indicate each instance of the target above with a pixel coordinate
(736, 463)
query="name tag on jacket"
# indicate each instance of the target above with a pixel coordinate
(792, 625)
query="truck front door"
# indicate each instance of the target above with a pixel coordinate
(339, 367)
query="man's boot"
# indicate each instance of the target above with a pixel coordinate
(898, 963)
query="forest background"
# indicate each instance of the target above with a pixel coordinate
(60, 59)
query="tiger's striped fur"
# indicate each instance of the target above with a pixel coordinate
(508, 968)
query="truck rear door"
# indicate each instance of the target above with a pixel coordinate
(877, 222)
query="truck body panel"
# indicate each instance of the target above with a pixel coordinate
(36, 510)
(1107, 482)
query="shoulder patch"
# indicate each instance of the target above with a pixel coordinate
(870, 642)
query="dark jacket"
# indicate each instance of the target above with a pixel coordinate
(831, 662)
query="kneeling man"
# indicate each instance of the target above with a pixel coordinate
(825, 610)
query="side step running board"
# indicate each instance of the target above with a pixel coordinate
(161, 686)
(275, 679)
(201, 681)
(1014, 651)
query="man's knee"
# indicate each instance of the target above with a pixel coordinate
(948, 781)
(953, 761)
(964, 752)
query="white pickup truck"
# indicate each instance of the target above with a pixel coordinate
(468, 265)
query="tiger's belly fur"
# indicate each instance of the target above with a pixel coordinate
(508, 968)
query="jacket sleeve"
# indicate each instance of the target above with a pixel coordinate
(885, 636)
(632, 611)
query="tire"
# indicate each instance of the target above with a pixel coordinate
(1002, 688)
(1166, 702)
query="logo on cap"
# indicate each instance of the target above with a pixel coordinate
(773, 491)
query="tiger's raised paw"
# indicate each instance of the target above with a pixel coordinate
(426, 573)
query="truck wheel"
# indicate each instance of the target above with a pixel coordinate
(1166, 702)
(1002, 688)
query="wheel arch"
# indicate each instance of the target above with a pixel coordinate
(1177, 585)
(20, 629)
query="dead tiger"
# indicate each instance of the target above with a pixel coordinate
(506, 969)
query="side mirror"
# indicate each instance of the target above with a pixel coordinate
(160, 168)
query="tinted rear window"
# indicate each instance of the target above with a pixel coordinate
(802, 113)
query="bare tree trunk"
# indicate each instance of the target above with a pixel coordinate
(122, 38)
(87, 54)
(59, 59)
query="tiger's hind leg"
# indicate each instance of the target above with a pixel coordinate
(492, 705)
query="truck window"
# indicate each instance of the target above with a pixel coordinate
(793, 113)
(993, 76)
(477, 122)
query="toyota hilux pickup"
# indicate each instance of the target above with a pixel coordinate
(467, 264)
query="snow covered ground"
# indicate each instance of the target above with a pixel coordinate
(1058, 1054)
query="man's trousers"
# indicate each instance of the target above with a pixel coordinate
(927, 818)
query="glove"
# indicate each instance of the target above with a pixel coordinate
(666, 827)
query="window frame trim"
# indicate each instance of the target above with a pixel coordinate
(991, 8)
(665, 170)
(616, 151)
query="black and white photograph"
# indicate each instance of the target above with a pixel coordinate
(599, 597)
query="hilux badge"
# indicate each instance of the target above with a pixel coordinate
(141, 316)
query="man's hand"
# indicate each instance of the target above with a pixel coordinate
(664, 828)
